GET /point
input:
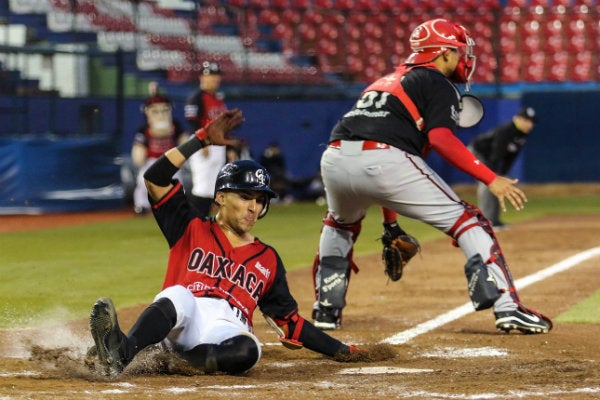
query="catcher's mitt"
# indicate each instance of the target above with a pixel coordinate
(398, 249)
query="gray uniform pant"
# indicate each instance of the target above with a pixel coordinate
(488, 204)
(355, 179)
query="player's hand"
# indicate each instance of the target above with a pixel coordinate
(505, 189)
(215, 132)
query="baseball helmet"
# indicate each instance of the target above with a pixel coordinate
(209, 67)
(245, 175)
(433, 37)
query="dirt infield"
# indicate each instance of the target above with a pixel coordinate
(462, 359)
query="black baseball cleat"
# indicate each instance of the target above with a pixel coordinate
(326, 319)
(522, 320)
(111, 343)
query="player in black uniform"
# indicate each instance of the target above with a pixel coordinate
(376, 156)
(498, 149)
(218, 273)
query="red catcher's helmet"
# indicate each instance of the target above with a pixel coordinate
(433, 37)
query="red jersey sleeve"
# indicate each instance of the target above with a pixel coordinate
(447, 145)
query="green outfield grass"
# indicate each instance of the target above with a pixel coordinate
(58, 273)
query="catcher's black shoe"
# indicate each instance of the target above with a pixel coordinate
(523, 320)
(326, 319)
(111, 343)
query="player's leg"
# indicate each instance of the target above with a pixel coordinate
(341, 227)
(114, 349)
(489, 204)
(234, 355)
(423, 195)
(220, 339)
(141, 204)
(478, 240)
(331, 271)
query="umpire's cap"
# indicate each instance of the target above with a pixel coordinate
(529, 113)
(209, 68)
(245, 175)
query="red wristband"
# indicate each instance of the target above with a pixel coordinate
(201, 134)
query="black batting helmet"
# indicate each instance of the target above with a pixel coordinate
(245, 175)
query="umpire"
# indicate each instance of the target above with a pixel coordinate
(498, 149)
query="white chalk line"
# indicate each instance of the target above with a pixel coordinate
(467, 308)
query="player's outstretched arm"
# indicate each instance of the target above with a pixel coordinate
(295, 332)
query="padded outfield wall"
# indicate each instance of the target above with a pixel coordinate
(35, 132)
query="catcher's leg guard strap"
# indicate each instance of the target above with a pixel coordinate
(483, 290)
(333, 283)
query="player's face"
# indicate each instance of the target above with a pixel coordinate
(452, 56)
(239, 210)
(210, 83)
(525, 125)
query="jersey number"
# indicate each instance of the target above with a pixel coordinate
(372, 98)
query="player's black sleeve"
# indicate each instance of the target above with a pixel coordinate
(278, 302)
(315, 339)
(173, 214)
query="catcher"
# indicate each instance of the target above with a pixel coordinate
(376, 156)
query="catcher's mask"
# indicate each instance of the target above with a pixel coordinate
(434, 37)
(246, 175)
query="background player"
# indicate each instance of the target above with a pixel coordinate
(217, 274)
(498, 149)
(204, 105)
(375, 156)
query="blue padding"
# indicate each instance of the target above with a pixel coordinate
(58, 175)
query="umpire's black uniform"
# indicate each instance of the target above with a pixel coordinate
(498, 149)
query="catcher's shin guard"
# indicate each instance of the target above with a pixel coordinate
(482, 287)
(333, 282)
(331, 276)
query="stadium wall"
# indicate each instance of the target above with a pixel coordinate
(89, 137)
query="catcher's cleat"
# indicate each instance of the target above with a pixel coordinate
(525, 321)
(111, 343)
(326, 319)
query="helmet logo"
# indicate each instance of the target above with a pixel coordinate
(260, 176)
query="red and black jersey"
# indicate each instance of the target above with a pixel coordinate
(157, 146)
(202, 259)
(202, 107)
(382, 117)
